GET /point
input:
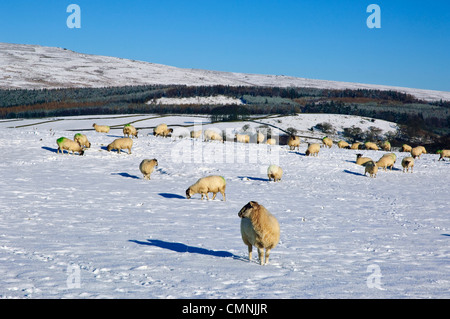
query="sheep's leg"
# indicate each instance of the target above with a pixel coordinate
(267, 256)
(129, 150)
(261, 256)
(250, 248)
(223, 194)
(214, 196)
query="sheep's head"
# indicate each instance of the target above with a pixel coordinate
(109, 148)
(247, 210)
(81, 152)
(188, 193)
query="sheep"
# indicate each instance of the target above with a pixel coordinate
(313, 149)
(259, 228)
(196, 134)
(360, 160)
(162, 130)
(101, 128)
(259, 138)
(121, 143)
(209, 184)
(417, 151)
(129, 131)
(294, 142)
(147, 166)
(355, 146)
(386, 146)
(386, 161)
(242, 138)
(67, 144)
(371, 146)
(406, 148)
(371, 168)
(392, 155)
(271, 141)
(212, 135)
(275, 172)
(327, 142)
(407, 163)
(82, 140)
(443, 153)
(343, 144)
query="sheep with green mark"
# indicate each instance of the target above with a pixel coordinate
(82, 140)
(67, 144)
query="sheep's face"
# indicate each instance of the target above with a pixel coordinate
(188, 193)
(247, 210)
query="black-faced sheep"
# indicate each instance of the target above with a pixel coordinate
(371, 168)
(209, 184)
(294, 142)
(147, 166)
(386, 161)
(162, 130)
(408, 163)
(121, 143)
(82, 140)
(196, 134)
(130, 131)
(259, 228)
(343, 144)
(242, 138)
(313, 149)
(67, 144)
(443, 153)
(360, 160)
(355, 146)
(274, 172)
(101, 128)
(371, 146)
(417, 151)
(259, 138)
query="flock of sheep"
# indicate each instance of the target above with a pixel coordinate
(259, 227)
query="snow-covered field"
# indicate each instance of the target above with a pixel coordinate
(91, 227)
(36, 67)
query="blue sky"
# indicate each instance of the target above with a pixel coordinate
(319, 39)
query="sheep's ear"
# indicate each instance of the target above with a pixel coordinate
(253, 204)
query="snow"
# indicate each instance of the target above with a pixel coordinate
(36, 67)
(91, 227)
(216, 100)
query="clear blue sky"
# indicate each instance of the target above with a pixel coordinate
(319, 39)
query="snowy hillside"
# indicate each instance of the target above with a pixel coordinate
(33, 66)
(91, 227)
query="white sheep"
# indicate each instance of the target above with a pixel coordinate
(360, 160)
(147, 166)
(209, 184)
(121, 143)
(406, 148)
(162, 130)
(67, 144)
(259, 228)
(271, 141)
(343, 144)
(327, 142)
(82, 140)
(242, 138)
(313, 149)
(259, 138)
(275, 172)
(129, 131)
(294, 142)
(407, 163)
(386, 161)
(371, 146)
(371, 168)
(417, 151)
(196, 134)
(101, 128)
(443, 153)
(211, 135)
